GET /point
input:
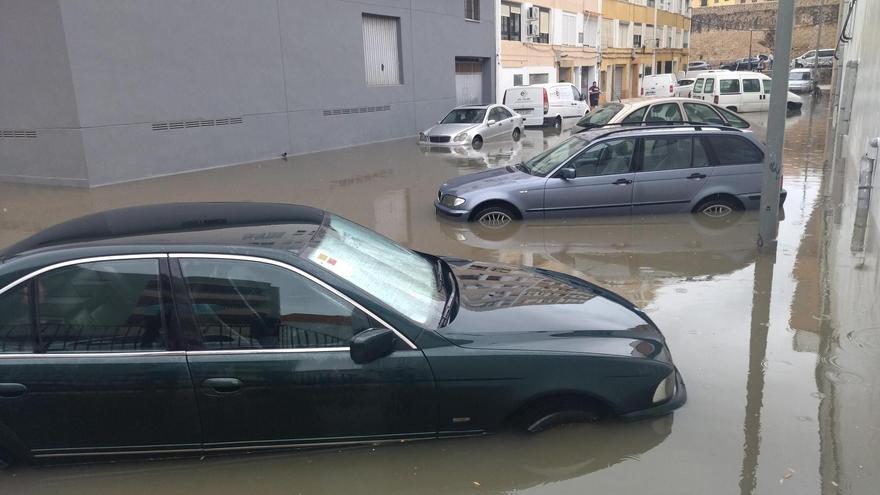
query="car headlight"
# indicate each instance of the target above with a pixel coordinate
(422, 137)
(665, 390)
(451, 201)
(460, 138)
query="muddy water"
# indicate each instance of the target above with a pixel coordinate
(783, 391)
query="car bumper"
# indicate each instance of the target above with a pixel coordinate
(453, 213)
(677, 400)
(448, 144)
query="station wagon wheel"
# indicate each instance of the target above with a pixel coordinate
(495, 217)
(718, 208)
(516, 134)
(477, 143)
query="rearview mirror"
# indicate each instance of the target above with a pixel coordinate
(567, 173)
(491, 122)
(371, 344)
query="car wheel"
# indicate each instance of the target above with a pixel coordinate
(732, 109)
(555, 412)
(495, 217)
(557, 123)
(516, 134)
(793, 105)
(477, 143)
(718, 208)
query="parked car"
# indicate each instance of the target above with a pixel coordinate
(808, 59)
(474, 124)
(739, 91)
(208, 327)
(656, 110)
(803, 80)
(698, 65)
(683, 87)
(658, 85)
(748, 64)
(712, 170)
(547, 104)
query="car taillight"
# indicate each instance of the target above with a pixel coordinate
(715, 99)
(642, 92)
(671, 89)
(546, 102)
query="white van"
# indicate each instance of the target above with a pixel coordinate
(738, 91)
(659, 85)
(546, 104)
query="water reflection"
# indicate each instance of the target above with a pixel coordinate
(498, 152)
(503, 463)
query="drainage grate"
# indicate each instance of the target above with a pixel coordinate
(188, 124)
(350, 111)
(17, 133)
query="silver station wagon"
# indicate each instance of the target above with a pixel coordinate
(710, 170)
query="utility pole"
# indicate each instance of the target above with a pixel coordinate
(656, 42)
(769, 212)
(818, 37)
(750, 50)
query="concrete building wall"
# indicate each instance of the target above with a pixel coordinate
(140, 89)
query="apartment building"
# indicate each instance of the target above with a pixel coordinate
(719, 3)
(639, 38)
(548, 41)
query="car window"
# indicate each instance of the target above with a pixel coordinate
(546, 162)
(495, 114)
(826, 53)
(252, 305)
(709, 86)
(104, 306)
(700, 155)
(564, 92)
(601, 116)
(697, 112)
(605, 158)
(636, 116)
(751, 86)
(576, 93)
(666, 112)
(767, 83)
(698, 86)
(733, 150)
(666, 153)
(503, 113)
(728, 86)
(16, 325)
(464, 116)
(732, 118)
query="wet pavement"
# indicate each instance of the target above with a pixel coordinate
(782, 373)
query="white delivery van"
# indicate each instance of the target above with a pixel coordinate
(659, 85)
(739, 91)
(546, 104)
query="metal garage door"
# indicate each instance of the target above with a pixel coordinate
(382, 50)
(617, 83)
(468, 82)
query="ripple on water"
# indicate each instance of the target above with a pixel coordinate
(865, 338)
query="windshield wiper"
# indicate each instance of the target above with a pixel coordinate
(522, 168)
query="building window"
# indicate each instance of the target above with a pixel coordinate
(591, 31)
(511, 15)
(382, 50)
(637, 41)
(539, 78)
(517, 80)
(569, 29)
(472, 10)
(543, 26)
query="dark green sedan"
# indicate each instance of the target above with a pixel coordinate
(202, 327)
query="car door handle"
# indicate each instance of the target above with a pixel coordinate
(12, 390)
(223, 385)
(622, 182)
(696, 176)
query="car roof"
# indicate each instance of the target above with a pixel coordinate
(642, 130)
(284, 226)
(476, 107)
(800, 70)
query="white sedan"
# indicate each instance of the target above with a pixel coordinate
(472, 125)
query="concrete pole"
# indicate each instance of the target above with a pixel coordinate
(655, 43)
(818, 38)
(769, 212)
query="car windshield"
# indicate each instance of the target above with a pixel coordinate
(547, 161)
(799, 76)
(601, 116)
(399, 277)
(465, 116)
(732, 118)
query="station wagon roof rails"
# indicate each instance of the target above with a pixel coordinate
(619, 128)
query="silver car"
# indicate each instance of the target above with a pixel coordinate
(472, 125)
(802, 80)
(711, 170)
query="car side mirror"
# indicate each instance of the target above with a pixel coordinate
(491, 122)
(567, 173)
(371, 344)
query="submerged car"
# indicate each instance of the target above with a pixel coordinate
(618, 170)
(206, 327)
(473, 125)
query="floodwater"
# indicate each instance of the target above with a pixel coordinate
(781, 353)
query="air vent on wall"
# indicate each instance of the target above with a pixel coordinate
(188, 124)
(349, 111)
(17, 133)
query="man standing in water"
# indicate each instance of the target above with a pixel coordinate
(594, 95)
